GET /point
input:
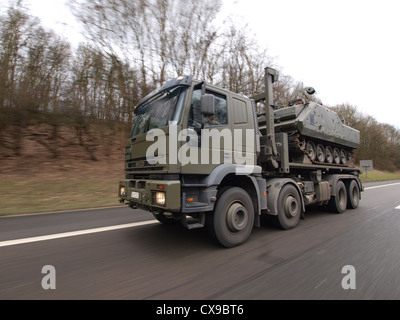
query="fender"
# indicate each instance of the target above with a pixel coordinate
(207, 186)
(274, 187)
(219, 173)
(259, 184)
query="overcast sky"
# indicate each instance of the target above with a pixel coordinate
(349, 50)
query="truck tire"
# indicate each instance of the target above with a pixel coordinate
(232, 221)
(338, 203)
(353, 195)
(289, 208)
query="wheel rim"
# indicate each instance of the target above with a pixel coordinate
(329, 155)
(336, 156)
(237, 217)
(290, 206)
(349, 156)
(343, 155)
(321, 153)
(311, 150)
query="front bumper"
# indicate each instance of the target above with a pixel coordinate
(152, 195)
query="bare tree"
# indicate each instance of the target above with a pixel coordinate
(44, 72)
(240, 61)
(15, 32)
(159, 38)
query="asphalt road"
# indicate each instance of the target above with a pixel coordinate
(138, 258)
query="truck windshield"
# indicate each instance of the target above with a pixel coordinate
(159, 111)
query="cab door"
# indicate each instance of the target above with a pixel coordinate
(209, 139)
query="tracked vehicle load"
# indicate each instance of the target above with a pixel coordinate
(316, 134)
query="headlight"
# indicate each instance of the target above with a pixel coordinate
(160, 198)
(122, 191)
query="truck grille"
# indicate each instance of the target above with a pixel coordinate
(142, 165)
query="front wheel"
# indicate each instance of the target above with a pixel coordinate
(232, 221)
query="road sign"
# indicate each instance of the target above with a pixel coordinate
(367, 165)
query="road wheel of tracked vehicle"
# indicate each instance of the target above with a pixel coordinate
(336, 156)
(329, 154)
(353, 195)
(349, 156)
(321, 156)
(289, 208)
(232, 221)
(311, 150)
(343, 156)
(338, 203)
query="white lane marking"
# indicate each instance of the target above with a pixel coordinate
(398, 208)
(386, 185)
(73, 234)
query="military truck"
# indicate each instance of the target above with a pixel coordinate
(201, 156)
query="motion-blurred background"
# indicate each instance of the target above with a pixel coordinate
(66, 108)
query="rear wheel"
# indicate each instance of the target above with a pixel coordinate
(289, 208)
(338, 203)
(353, 198)
(232, 221)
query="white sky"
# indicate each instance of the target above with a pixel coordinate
(349, 50)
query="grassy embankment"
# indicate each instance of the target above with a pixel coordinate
(377, 175)
(46, 195)
(60, 165)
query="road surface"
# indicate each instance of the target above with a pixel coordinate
(123, 254)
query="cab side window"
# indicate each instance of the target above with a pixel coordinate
(221, 111)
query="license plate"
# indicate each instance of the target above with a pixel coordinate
(135, 195)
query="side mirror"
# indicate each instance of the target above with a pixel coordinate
(207, 105)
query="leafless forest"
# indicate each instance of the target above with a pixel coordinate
(78, 103)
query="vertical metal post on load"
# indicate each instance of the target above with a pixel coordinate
(271, 76)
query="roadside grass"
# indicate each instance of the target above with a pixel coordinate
(376, 176)
(39, 195)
